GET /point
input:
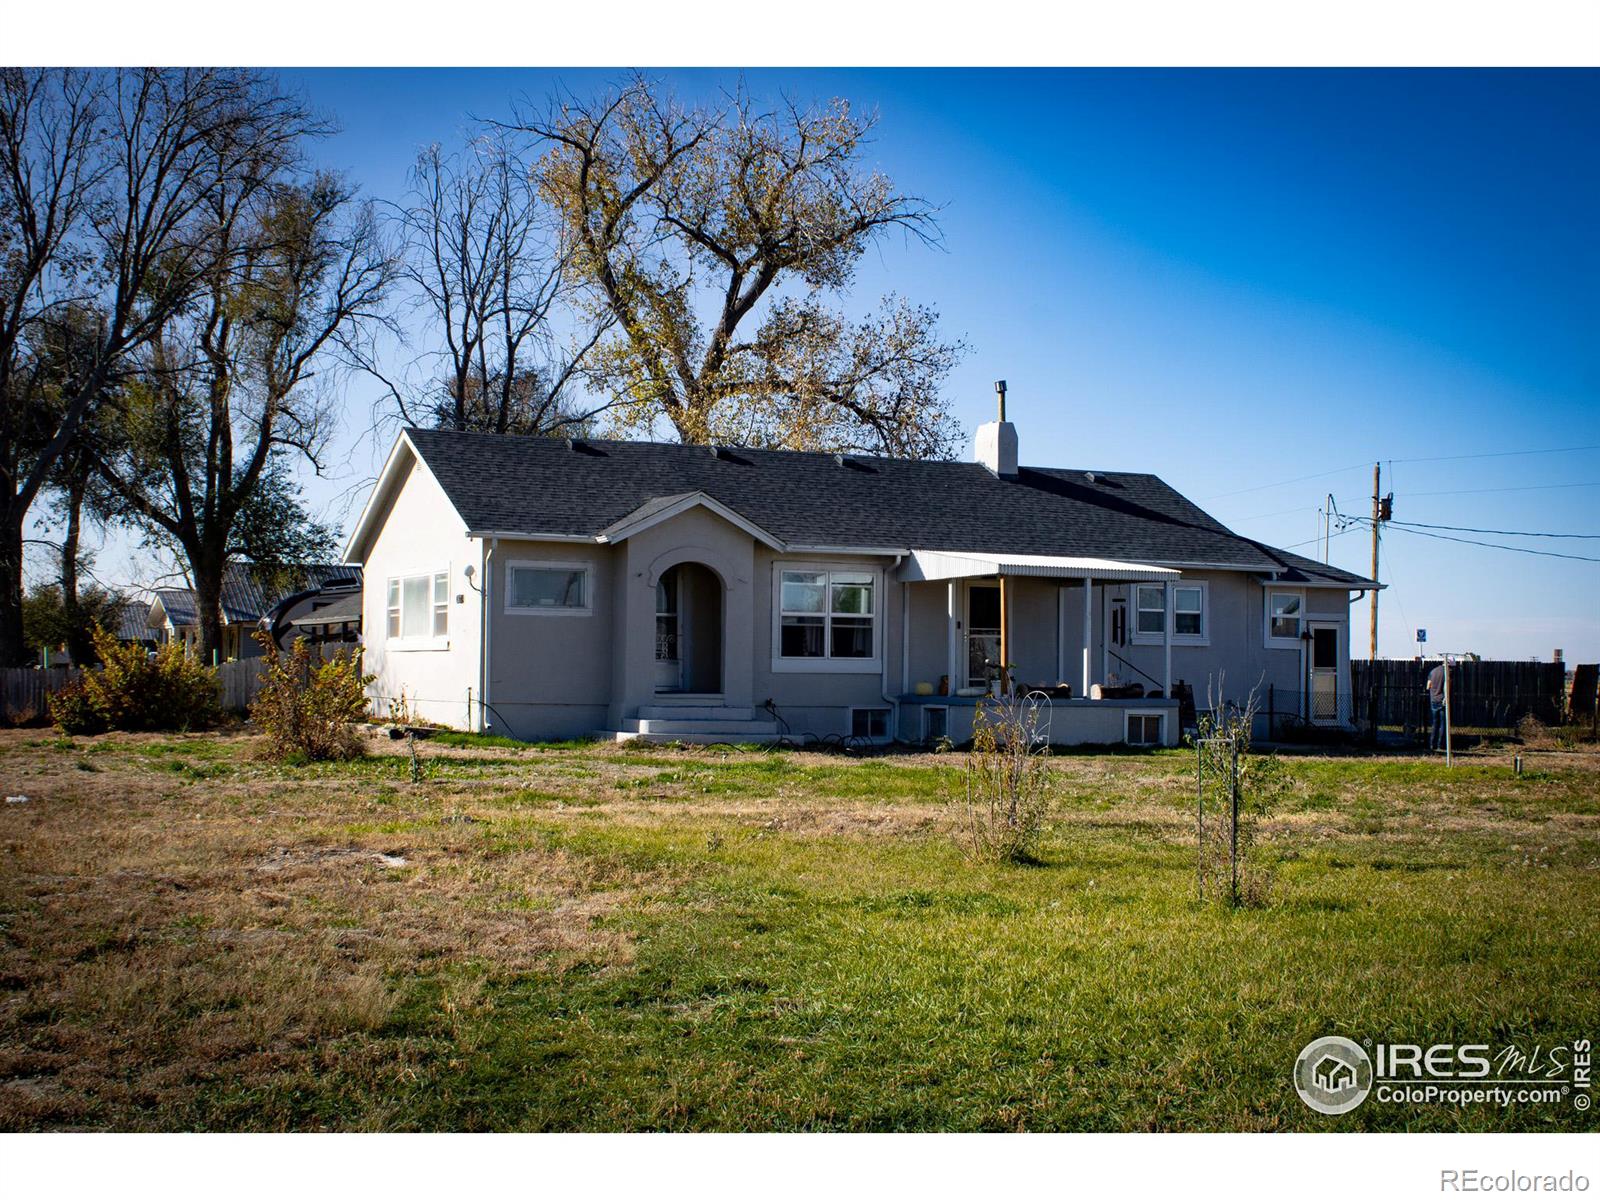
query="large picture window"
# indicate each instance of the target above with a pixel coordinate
(419, 607)
(548, 589)
(826, 614)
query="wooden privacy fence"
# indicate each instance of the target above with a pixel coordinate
(25, 691)
(1483, 695)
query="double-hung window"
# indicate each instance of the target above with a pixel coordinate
(1152, 610)
(1188, 612)
(418, 607)
(1188, 617)
(547, 589)
(827, 614)
(1284, 613)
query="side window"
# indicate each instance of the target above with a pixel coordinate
(1284, 614)
(549, 589)
(418, 607)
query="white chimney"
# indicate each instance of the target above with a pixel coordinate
(997, 440)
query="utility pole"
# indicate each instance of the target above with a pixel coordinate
(1372, 651)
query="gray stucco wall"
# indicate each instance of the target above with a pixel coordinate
(566, 675)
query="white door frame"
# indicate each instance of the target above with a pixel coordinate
(1340, 633)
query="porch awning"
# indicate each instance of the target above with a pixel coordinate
(944, 564)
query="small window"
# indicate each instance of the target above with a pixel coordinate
(1144, 729)
(871, 723)
(935, 724)
(1188, 611)
(826, 614)
(1285, 612)
(1152, 610)
(547, 588)
(418, 607)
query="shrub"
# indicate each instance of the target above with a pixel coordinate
(137, 692)
(1006, 793)
(309, 706)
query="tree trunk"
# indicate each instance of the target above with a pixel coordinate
(207, 572)
(13, 647)
(79, 644)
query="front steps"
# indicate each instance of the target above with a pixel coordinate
(694, 724)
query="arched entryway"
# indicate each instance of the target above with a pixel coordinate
(689, 630)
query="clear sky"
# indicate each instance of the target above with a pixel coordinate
(1231, 279)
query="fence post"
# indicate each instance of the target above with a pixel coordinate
(1200, 820)
(1233, 828)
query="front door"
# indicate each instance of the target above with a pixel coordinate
(669, 633)
(1325, 674)
(983, 633)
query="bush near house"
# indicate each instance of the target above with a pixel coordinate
(308, 706)
(136, 692)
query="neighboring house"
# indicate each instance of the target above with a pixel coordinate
(173, 614)
(333, 615)
(547, 588)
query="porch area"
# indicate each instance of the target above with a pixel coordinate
(978, 624)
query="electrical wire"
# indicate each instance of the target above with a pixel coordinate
(1492, 454)
(1499, 532)
(1531, 487)
(1490, 545)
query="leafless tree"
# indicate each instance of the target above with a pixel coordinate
(683, 222)
(485, 269)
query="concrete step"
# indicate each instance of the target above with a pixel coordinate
(690, 739)
(694, 712)
(723, 729)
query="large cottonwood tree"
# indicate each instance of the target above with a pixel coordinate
(723, 244)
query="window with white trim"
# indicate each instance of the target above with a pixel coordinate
(1188, 611)
(826, 614)
(1190, 602)
(1144, 729)
(548, 588)
(870, 723)
(1285, 613)
(1151, 604)
(418, 607)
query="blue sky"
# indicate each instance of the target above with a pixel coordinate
(1227, 278)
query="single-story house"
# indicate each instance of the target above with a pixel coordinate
(547, 588)
(248, 597)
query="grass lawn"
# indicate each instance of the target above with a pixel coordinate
(611, 938)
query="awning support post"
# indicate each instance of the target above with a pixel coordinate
(1166, 642)
(1088, 630)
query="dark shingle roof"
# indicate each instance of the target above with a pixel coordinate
(545, 485)
(344, 608)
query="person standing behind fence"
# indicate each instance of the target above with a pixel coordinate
(1435, 689)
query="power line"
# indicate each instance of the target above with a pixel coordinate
(1496, 545)
(1500, 532)
(1493, 454)
(1261, 487)
(1331, 536)
(1531, 487)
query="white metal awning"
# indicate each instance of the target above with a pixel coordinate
(944, 564)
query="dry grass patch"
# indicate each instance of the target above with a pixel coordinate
(158, 941)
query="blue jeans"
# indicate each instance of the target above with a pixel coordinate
(1436, 738)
